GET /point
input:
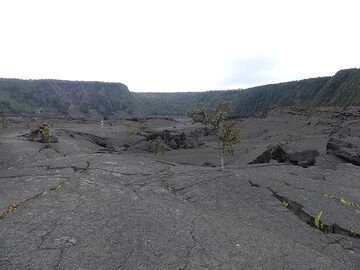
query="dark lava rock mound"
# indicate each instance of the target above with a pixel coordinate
(343, 150)
(103, 142)
(276, 152)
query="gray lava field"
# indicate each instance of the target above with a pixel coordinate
(96, 198)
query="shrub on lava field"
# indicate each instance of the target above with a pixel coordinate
(130, 127)
(157, 147)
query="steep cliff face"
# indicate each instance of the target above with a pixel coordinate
(342, 89)
(98, 98)
(64, 97)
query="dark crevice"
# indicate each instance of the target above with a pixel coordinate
(301, 188)
(120, 172)
(52, 148)
(164, 175)
(43, 148)
(43, 237)
(297, 209)
(80, 169)
(253, 184)
(86, 167)
(21, 175)
(338, 242)
(202, 182)
(166, 162)
(75, 168)
(102, 142)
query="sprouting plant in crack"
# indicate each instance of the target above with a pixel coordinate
(318, 222)
(227, 133)
(157, 147)
(13, 206)
(57, 187)
(315, 221)
(348, 203)
(281, 142)
(285, 203)
(327, 196)
(343, 201)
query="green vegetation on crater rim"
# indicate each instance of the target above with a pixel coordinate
(54, 97)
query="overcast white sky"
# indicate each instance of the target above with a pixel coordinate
(187, 45)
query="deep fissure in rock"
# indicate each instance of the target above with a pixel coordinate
(296, 208)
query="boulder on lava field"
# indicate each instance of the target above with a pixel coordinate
(208, 164)
(202, 132)
(304, 159)
(276, 152)
(343, 150)
(38, 135)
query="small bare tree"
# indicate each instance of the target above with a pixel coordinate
(226, 132)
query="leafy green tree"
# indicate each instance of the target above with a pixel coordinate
(226, 132)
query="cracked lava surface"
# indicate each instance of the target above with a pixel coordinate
(86, 207)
